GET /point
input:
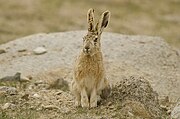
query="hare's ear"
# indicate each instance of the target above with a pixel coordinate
(103, 22)
(90, 19)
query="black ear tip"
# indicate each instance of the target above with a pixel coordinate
(106, 13)
(91, 10)
(106, 16)
(105, 25)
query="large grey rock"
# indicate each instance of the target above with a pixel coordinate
(124, 56)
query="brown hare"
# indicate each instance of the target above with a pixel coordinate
(89, 79)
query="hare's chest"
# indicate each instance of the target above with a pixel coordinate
(90, 74)
(89, 70)
(89, 82)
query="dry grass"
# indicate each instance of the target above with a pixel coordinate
(25, 17)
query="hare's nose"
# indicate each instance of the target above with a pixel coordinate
(86, 47)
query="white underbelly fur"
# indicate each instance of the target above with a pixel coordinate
(89, 84)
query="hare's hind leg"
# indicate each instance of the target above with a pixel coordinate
(105, 92)
(76, 93)
(84, 98)
(93, 98)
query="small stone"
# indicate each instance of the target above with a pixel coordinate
(39, 109)
(36, 95)
(30, 87)
(65, 110)
(109, 103)
(2, 51)
(111, 107)
(15, 78)
(58, 93)
(164, 107)
(22, 50)
(2, 93)
(7, 106)
(24, 79)
(25, 96)
(130, 114)
(8, 90)
(50, 107)
(169, 112)
(39, 82)
(32, 107)
(175, 114)
(39, 50)
(59, 84)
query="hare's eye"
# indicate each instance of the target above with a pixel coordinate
(84, 39)
(95, 40)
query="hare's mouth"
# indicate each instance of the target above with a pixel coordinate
(86, 51)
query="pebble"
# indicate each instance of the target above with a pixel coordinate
(39, 50)
(59, 92)
(22, 50)
(130, 114)
(25, 96)
(24, 79)
(2, 94)
(36, 95)
(111, 107)
(50, 107)
(39, 82)
(8, 90)
(175, 114)
(2, 51)
(7, 106)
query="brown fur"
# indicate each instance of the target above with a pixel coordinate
(89, 74)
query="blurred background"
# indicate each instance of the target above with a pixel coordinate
(20, 18)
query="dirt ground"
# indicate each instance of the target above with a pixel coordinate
(132, 17)
(131, 98)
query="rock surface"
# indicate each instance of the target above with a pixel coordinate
(124, 56)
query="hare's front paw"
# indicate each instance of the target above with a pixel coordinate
(93, 99)
(84, 99)
(77, 103)
(93, 104)
(85, 104)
